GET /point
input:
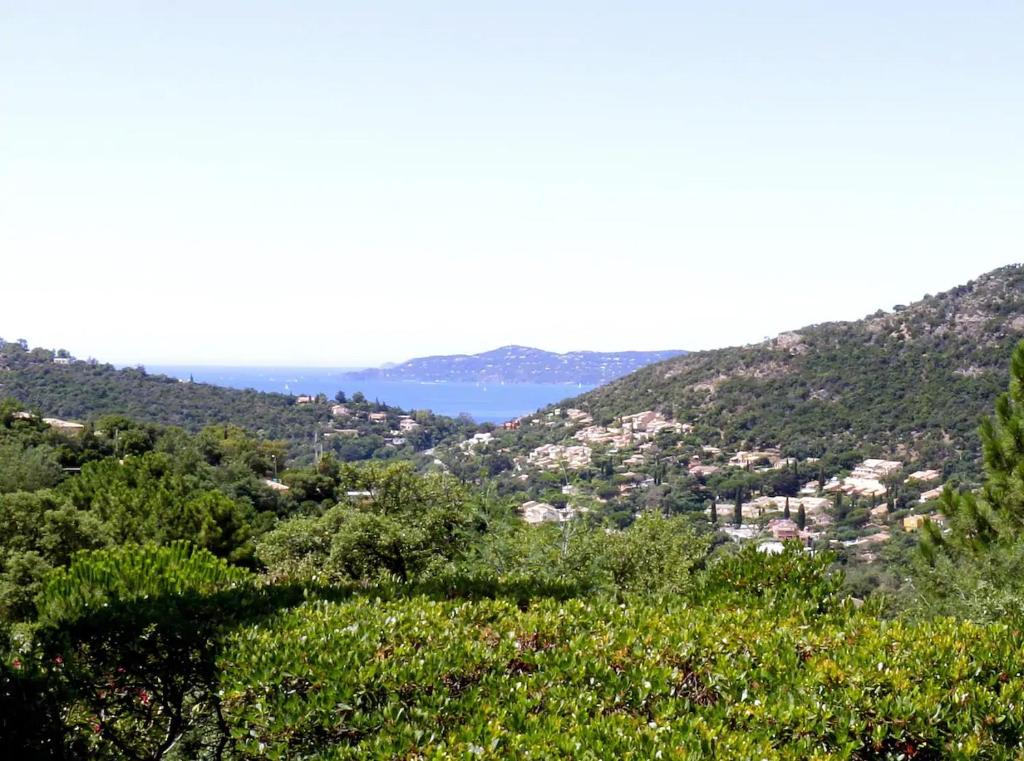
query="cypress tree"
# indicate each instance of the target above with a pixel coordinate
(714, 513)
(737, 513)
(801, 517)
(785, 511)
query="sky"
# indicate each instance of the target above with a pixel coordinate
(340, 183)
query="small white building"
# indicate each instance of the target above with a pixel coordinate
(924, 476)
(541, 512)
(64, 426)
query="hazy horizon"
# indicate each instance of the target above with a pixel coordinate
(329, 183)
(349, 366)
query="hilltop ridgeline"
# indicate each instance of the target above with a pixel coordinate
(520, 364)
(912, 381)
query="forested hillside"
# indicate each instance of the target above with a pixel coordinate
(83, 390)
(912, 381)
(58, 386)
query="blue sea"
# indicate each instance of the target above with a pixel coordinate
(485, 403)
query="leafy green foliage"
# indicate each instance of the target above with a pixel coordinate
(129, 636)
(594, 679)
(130, 574)
(144, 498)
(395, 523)
(656, 555)
(27, 468)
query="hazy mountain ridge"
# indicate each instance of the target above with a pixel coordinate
(915, 379)
(519, 364)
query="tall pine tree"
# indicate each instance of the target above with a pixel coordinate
(994, 515)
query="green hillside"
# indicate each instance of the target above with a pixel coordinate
(60, 387)
(913, 380)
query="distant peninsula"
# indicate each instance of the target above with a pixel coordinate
(519, 364)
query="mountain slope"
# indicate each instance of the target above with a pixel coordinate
(64, 388)
(914, 380)
(519, 364)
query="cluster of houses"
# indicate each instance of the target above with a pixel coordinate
(476, 440)
(756, 460)
(557, 417)
(765, 457)
(869, 480)
(761, 517)
(815, 508)
(866, 480)
(632, 429)
(771, 521)
(556, 456)
(396, 437)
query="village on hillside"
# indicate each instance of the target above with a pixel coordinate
(647, 460)
(562, 465)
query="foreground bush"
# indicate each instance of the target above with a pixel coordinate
(169, 652)
(589, 679)
(122, 658)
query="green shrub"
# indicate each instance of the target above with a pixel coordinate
(590, 679)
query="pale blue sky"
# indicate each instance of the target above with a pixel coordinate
(332, 183)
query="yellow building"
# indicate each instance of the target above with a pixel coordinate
(914, 522)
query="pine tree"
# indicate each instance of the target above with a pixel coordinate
(996, 515)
